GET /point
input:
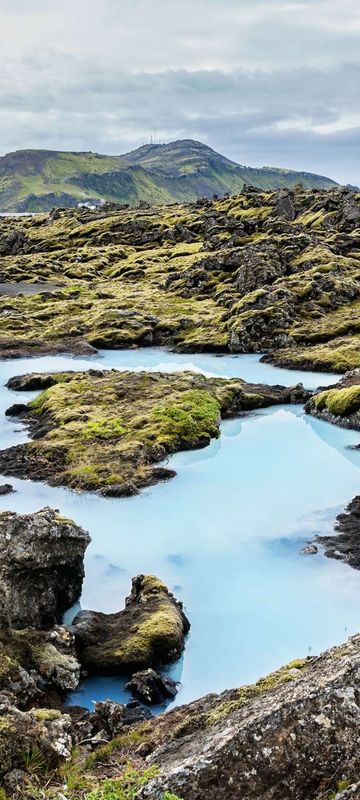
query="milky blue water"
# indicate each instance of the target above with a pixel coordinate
(225, 535)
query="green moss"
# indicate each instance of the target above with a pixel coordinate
(103, 429)
(340, 402)
(104, 753)
(46, 714)
(106, 427)
(127, 787)
(169, 796)
(193, 419)
(290, 672)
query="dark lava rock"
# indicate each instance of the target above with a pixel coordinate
(151, 688)
(6, 488)
(113, 717)
(259, 264)
(41, 567)
(344, 544)
(34, 381)
(119, 490)
(162, 474)
(149, 631)
(284, 207)
(17, 410)
(14, 243)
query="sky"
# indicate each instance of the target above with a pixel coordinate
(265, 82)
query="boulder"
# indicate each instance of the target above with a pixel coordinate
(6, 488)
(36, 665)
(14, 243)
(344, 543)
(151, 688)
(293, 738)
(149, 631)
(41, 567)
(284, 206)
(112, 718)
(44, 732)
(258, 265)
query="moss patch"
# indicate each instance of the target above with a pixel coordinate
(109, 429)
(340, 402)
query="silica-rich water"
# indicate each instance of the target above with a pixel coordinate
(225, 534)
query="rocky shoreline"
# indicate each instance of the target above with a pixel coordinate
(41, 574)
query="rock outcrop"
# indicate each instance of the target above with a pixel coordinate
(6, 488)
(38, 665)
(151, 688)
(149, 631)
(344, 544)
(295, 741)
(107, 431)
(291, 736)
(41, 734)
(339, 404)
(41, 567)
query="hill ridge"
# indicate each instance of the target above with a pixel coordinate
(179, 171)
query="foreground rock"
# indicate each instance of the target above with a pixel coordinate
(38, 667)
(291, 736)
(151, 688)
(41, 567)
(44, 732)
(295, 741)
(108, 431)
(149, 631)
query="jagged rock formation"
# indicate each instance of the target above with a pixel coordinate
(291, 736)
(344, 544)
(45, 732)
(107, 431)
(149, 631)
(41, 567)
(151, 688)
(261, 271)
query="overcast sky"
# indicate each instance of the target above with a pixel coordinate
(262, 81)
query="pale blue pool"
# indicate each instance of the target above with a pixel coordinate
(225, 534)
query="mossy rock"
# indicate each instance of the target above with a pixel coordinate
(106, 431)
(148, 632)
(339, 402)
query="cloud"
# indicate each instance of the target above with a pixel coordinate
(272, 81)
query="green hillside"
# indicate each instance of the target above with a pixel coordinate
(37, 180)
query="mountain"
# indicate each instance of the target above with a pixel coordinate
(185, 170)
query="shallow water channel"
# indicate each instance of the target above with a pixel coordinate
(225, 534)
